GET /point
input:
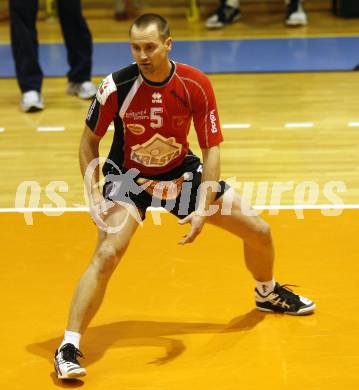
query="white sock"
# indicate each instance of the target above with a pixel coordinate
(233, 3)
(265, 288)
(72, 338)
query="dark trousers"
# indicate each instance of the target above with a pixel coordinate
(24, 42)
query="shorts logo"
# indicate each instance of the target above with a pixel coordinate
(213, 119)
(136, 128)
(156, 152)
(156, 98)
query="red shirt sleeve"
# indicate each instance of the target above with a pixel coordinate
(205, 113)
(103, 108)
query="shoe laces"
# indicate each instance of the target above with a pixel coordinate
(70, 353)
(286, 293)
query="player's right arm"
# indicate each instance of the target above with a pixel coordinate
(103, 109)
(89, 150)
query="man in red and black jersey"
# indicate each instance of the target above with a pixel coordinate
(152, 103)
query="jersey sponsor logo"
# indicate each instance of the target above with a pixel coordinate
(137, 115)
(156, 97)
(104, 84)
(105, 89)
(213, 119)
(136, 128)
(156, 152)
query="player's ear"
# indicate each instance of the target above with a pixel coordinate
(168, 43)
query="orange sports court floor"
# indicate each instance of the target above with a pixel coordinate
(183, 318)
(176, 317)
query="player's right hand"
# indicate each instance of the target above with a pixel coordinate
(99, 208)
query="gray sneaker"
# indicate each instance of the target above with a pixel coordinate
(85, 90)
(31, 101)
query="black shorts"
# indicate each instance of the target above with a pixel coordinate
(184, 204)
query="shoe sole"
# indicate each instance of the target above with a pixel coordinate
(72, 375)
(294, 23)
(32, 109)
(303, 312)
(83, 97)
(86, 97)
(35, 109)
(75, 374)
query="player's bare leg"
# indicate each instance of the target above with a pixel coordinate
(256, 234)
(91, 289)
(259, 258)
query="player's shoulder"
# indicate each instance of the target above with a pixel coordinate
(125, 75)
(115, 80)
(187, 72)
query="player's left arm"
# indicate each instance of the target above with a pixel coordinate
(210, 178)
(206, 122)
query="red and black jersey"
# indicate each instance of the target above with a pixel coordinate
(152, 120)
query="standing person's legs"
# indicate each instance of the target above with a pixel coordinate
(78, 40)
(24, 46)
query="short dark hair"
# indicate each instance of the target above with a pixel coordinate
(145, 20)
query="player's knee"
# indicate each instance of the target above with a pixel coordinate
(263, 233)
(106, 259)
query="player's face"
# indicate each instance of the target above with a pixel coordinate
(150, 51)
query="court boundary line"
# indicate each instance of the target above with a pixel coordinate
(264, 208)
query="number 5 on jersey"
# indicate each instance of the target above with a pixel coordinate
(156, 117)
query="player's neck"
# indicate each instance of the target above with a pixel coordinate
(161, 74)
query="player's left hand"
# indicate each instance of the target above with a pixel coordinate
(197, 221)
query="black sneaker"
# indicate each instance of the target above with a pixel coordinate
(223, 16)
(283, 300)
(66, 364)
(296, 15)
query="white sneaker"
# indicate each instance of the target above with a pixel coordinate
(296, 15)
(66, 363)
(31, 101)
(85, 90)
